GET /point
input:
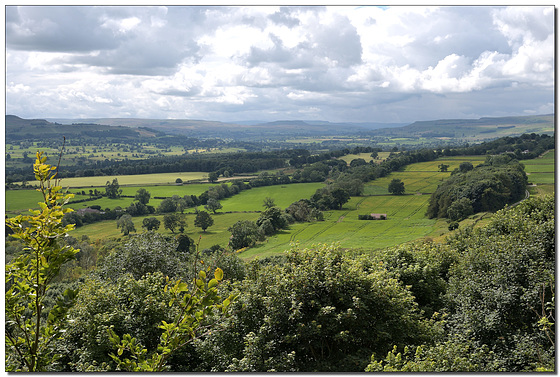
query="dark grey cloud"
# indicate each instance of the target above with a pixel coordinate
(56, 29)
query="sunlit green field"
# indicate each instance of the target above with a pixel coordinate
(283, 195)
(405, 222)
(414, 182)
(18, 201)
(217, 234)
(366, 156)
(541, 170)
(139, 180)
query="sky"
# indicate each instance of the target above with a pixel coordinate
(236, 63)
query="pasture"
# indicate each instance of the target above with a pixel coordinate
(133, 180)
(405, 222)
(540, 171)
(217, 234)
(283, 195)
(19, 201)
(366, 156)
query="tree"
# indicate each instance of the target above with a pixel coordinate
(125, 224)
(340, 196)
(268, 202)
(137, 209)
(150, 223)
(460, 209)
(203, 220)
(143, 196)
(465, 167)
(174, 221)
(212, 177)
(143, 324)
(443, 167)
(112, 189)
(274, 215)
(357, 162)
(213, 205)
(141, 254)
(185, 244)
(396, 187)
(244, 233)
(167, 205)
(30, 327)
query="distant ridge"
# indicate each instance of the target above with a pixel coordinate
(463, 129)
(479, 129)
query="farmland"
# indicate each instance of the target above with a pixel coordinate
(541, 173)
(405, 221)
(138, 180)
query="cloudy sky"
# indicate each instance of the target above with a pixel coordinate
(349, 63)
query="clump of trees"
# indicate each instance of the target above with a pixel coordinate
(488, 187)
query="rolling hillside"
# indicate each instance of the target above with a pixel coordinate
(473, 129)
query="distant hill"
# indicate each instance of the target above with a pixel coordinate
(249, 130)
(133, 128)
(473, 129)
(40, 129)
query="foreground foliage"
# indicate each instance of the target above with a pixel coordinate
(499, 299)
(31, 328)
(321, 310)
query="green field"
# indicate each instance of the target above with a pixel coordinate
(216, 234)
(138, 180)
(284, 195)
(405, 222)
(540, 171)
(18, 201)
(366, 156)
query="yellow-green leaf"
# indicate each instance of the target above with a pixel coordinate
(219, 274)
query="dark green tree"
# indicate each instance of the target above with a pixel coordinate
(275, 216)
(320, 310)
(173, 221)
(443, 167)
(203, 220)
(112, 189)
(150, 223)
(143, 196)
(167, 205)
(460, 209)
(396, 187)
(244, 233)
(340, 196)
(268, 202)
(212, 177)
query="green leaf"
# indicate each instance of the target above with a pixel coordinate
(219, 274)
